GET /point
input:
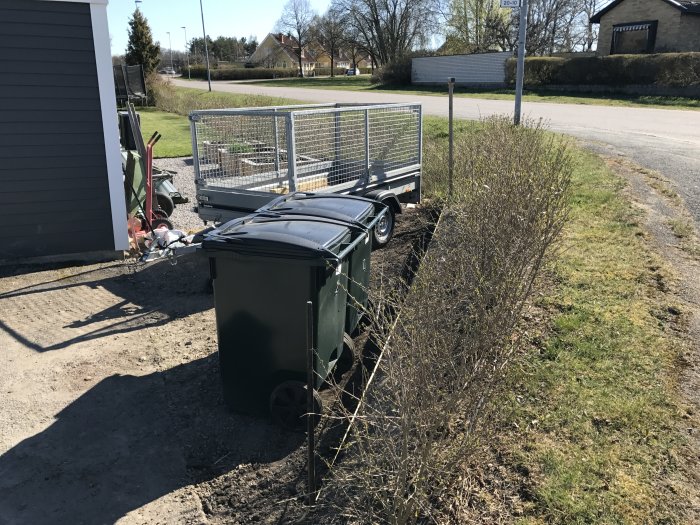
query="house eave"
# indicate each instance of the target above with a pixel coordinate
(596, 18)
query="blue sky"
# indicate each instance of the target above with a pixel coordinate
(222, 18)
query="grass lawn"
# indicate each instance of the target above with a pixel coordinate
(173, 124)
(362, 83)
(595, 400)
(591, 416)
(175, 129)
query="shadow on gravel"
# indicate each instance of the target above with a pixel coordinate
(128, 441)
(107, 301)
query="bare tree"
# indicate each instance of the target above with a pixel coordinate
(390, 29)
(589, 8)
(329, 32)
(560, 26)
(475, 26)
(297, 17)
(355, 45)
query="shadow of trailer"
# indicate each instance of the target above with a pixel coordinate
(245, 158)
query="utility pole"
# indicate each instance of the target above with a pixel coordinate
(522, 37)
(170, 44)
(206, 47)
(187, 54)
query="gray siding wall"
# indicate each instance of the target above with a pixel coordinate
(54, 194)
(487, 69)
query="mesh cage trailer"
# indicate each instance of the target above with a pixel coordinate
(245, 158)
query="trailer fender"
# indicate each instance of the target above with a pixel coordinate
(387, 197)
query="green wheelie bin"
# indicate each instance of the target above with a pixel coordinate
(349, 209)
(264, 271)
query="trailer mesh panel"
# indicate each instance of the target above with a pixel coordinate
(305, 148)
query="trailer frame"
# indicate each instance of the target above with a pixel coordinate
(245, 157)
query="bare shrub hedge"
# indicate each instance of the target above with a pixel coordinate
(445, 354)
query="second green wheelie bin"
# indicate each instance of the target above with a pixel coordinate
(264, 270)
(346, 208)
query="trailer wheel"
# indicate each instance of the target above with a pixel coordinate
(384, 229)
(165, 203)
(288, 405)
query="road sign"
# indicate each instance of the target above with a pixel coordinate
(513, 4)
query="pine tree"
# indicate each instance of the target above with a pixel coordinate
(141, 49)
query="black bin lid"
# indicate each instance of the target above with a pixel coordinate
(342, 207)
(287, 238)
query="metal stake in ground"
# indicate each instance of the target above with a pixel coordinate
(451, 160)
(522, 37)
(311, 452)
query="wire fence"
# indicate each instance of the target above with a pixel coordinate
(305, 148)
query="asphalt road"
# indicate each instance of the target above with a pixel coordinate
(665, 140)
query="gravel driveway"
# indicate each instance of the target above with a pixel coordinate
(183, 217)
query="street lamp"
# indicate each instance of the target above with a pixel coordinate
(137, 2)
(187, 54)
(206, 47)
(170, 44)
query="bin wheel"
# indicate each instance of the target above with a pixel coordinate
(383, 230)
(165, 203)
(288, 405)
(347, 358)
(158, 222)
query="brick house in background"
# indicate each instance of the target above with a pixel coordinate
(648, 26)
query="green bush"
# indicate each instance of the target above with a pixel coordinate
(667, 69)
(396, 72)
(253, 73)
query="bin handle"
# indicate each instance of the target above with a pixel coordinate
(347, 251)
(312, 195)
(268, 216)
(378, 217)
(330, 215)
(275, 202)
